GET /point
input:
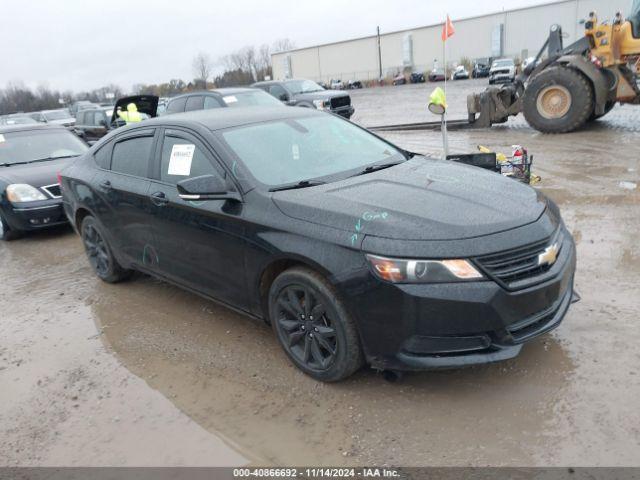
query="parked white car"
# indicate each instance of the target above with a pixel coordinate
(502, 70)
(460, 73)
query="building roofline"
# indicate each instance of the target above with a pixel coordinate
(462, 19)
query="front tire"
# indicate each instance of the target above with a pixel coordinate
(99, 253)
(313, 326)
(558, 100)
(7, 233)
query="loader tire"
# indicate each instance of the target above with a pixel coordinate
(558, 100)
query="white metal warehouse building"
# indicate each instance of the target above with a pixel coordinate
(511, 33)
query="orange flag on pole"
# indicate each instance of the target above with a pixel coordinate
(447, 29)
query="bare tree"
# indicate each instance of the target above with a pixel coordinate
(283, 45)
(202, 66)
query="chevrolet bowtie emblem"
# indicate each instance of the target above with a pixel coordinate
(549, 256)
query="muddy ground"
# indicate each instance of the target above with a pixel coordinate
(143, 373)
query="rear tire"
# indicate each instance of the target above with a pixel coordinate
(7, 233)
(313, 325)
(99, 253)
(558, 100)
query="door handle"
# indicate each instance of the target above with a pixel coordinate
(105, 185)
(159, 199)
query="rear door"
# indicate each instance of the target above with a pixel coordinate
(96, 125)
(199, 244)
(126, 211)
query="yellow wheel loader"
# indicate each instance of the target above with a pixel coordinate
(569, 86)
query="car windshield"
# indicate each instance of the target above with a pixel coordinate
(26, 146)
(293, 150)
(304, 86)
(503, 63)
(250, 99)
(56, 115)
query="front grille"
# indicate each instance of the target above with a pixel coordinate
(501, 72)
(540, 322)
(53, 190)
(339, 102)
(519, 263)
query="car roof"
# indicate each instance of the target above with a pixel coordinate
(221, 118)
(217, 92)
(233, 90)
(92, 109)
(29, 126)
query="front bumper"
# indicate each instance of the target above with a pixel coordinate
(345, 112)
(449, 325)
(501, 77)
(27, 216)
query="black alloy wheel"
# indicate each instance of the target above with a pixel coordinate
(99, 254)
(313, 326)
(309, 331)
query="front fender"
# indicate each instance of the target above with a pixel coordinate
(603, 91)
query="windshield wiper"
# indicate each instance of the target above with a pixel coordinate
(46, 159)
(300, 184)
(376, 167)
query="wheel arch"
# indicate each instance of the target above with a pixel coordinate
(275, 267)
(598, 81)
(79, 215)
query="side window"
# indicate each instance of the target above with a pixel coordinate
(211, 102)
(100, 119)
(102, 156)
(131, 156)
(194, 103)
(177, 105)
(80, 118)
(277, 91)
(183, 158)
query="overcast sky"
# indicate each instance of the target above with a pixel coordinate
(79, 44)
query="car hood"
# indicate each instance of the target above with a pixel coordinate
(321, 95)
(421, 199)
(35, 174)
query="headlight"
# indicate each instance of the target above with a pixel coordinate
(21, 192)
(422, 271)
(321, 104)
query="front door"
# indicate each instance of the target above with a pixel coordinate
(198, 244)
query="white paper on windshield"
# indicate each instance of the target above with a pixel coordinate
(295, 150)
(230, 99)
(180, 160)
(1, 138)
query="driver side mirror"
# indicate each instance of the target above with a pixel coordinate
(206, 187)
(284, 97)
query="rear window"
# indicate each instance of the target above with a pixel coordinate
(27, 146)
(177, 105)
(194, 103)
(131, 156)
(211, 102)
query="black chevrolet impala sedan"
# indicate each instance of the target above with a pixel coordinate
(354, 250)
